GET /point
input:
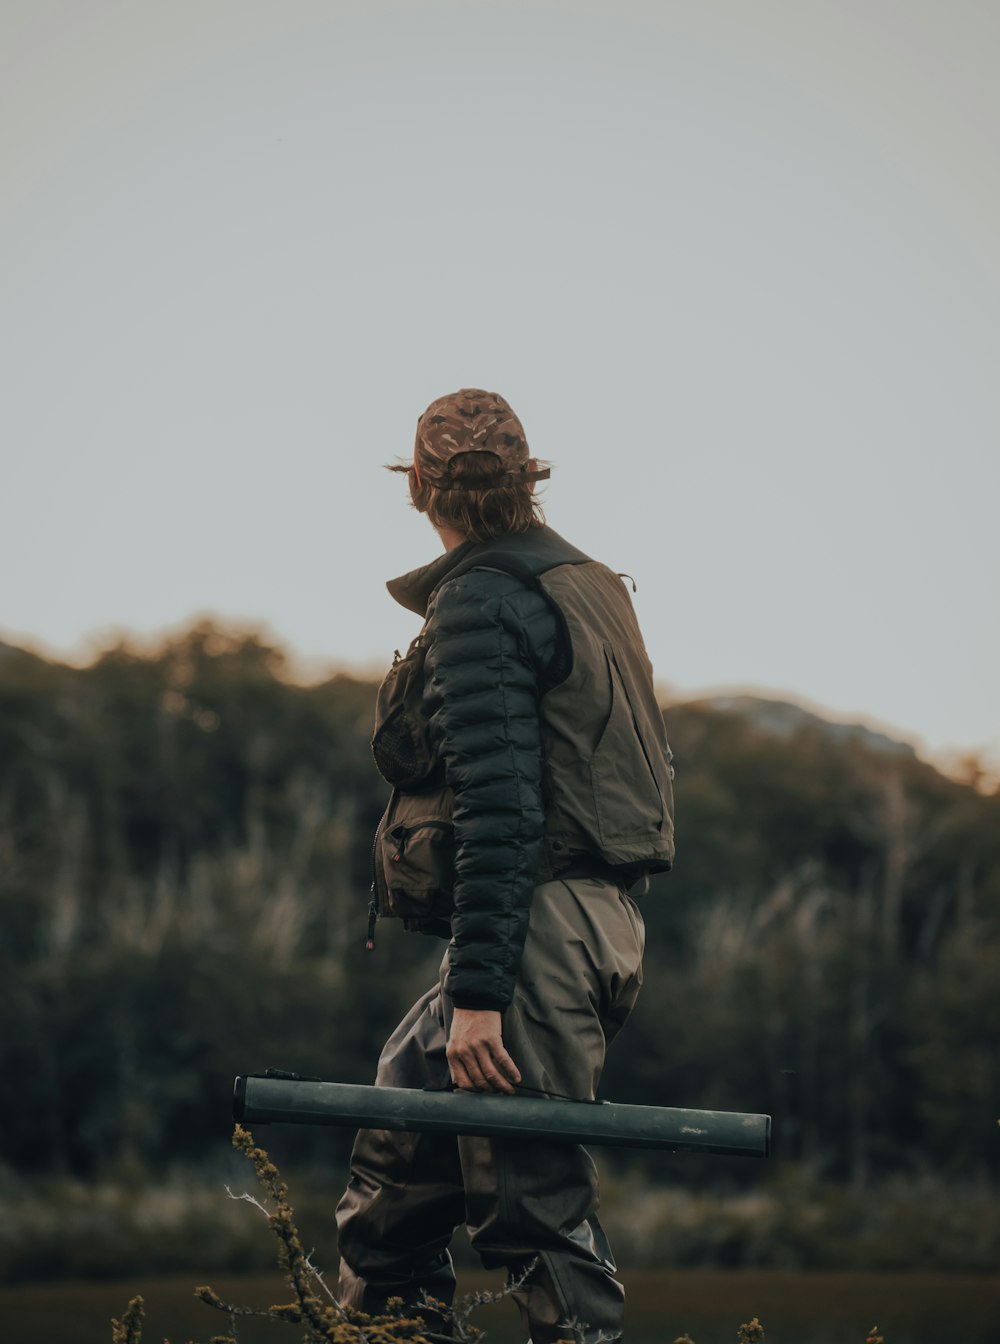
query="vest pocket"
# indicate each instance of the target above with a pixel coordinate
(628, 799)
(417, 860)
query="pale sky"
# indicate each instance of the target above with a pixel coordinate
(737, 267)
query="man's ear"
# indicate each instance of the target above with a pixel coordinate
(532, 465)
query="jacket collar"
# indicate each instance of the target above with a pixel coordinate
(538, 549)
(413, 590)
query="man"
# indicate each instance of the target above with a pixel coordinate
(532, 788)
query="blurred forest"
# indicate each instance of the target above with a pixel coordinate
(185, 856)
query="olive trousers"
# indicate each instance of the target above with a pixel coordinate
(521, 1201)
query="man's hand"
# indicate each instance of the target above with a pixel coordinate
(476, 1055)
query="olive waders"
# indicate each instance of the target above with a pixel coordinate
(578, 980)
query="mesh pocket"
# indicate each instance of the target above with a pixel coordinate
(401, 743)
(402, 753)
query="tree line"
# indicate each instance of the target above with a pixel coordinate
(185, 856)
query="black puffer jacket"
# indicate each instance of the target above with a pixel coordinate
(493, 645)
(493, 640)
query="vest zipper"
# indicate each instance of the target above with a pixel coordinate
(373, 904)
(372, 917)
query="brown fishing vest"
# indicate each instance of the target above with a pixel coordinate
(607, 774)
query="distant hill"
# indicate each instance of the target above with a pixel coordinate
(782, 718)
(23, 664)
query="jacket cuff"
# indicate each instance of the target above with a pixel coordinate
(480, 1001)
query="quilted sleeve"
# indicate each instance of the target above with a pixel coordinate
(483, 670)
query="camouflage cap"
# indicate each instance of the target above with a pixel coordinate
(472, 421)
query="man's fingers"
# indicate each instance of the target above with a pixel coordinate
(496, 1081)
(481, 1070)
(489, 1060)
(458, 1074)
(476, 1053)
(506, 1065)
(473, 1067)
(500, 1069)
(476, 1066)
(471, 1079)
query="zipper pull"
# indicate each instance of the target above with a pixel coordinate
(372, 917)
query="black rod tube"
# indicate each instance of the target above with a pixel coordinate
(267, 1100)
